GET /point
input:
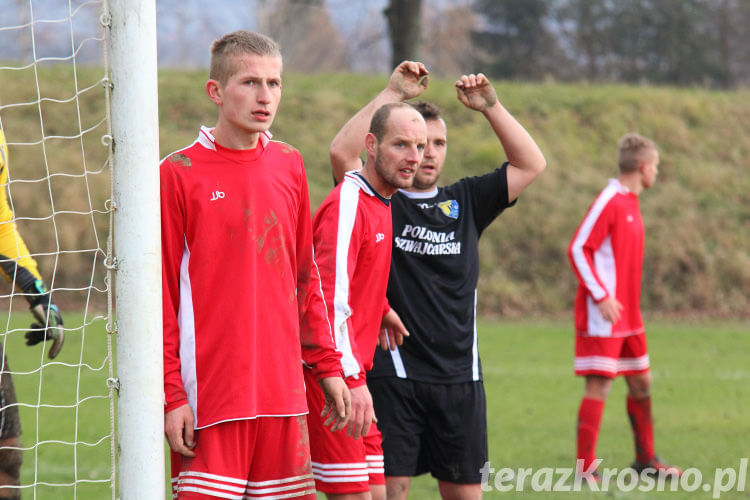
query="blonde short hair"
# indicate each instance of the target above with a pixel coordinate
(631, 150)
(225, 49)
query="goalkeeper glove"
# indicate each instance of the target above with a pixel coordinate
(48, 324)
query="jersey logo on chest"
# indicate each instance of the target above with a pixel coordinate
(217, 195)
(449, 208)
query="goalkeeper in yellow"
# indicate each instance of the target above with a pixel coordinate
(20, 269)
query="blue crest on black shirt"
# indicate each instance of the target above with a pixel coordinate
(449, 208)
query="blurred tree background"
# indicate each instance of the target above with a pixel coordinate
(665, 42)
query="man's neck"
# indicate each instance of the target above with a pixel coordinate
(379, 184)
(233, 139)
(422, 190)
(632, 181)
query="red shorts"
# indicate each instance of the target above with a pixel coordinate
(266, 457)
(341, 464)
(611, 356)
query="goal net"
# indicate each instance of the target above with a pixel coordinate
(62, 192)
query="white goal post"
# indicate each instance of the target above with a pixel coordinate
(137, 248)
(80, 159)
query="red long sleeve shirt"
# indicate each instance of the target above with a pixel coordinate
(353, 238)
(607, 256)
(243, 304)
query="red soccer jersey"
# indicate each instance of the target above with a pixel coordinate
(242, 296)
(352, 232)
(607, 256)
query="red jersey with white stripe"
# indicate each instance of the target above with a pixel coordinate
(242, 299)
(352, 233)
(607, 256)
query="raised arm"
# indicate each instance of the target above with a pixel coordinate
(407, 81)
(525, 158)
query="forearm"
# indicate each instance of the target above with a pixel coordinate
(322, 357)
(582, 262)
(520, 148)
(350, 140)
(318, 344)
(16, 263)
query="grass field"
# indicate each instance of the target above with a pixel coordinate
(64, 406)
(701, 402)
(701, 399)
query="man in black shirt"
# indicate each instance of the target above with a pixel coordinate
(427, 388)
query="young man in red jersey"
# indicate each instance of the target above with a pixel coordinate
(236, 333)
(353, 235)
(607, 256)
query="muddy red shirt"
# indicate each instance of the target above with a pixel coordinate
(242, 299)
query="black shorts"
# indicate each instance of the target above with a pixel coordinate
(436, 428)
(10, 423)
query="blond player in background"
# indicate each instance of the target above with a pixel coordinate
(606, 254)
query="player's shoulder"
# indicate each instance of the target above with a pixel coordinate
(283, 148)
(286, 159)
(183, 157)
(615, 197)
(354, 182)
(499, 172)
(612, 199)
(615, 188)
(178, 159)
(348, 196)
(177, 164)
(332, 198)
(463, 188)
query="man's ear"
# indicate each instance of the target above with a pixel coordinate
(371, 144)
(642, 166)
(213, 89)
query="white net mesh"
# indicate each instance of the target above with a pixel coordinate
(54, 114)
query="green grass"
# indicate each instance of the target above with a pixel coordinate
(64, 402)
(701, 400)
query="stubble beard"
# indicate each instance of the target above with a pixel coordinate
(424, 186)
(391, 177)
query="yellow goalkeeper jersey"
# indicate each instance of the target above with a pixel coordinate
(12, 246)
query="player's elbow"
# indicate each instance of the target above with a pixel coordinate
(574, 251)
(538, 164)
(342, 161)
(339, 161)
(571, 258)
(336, 155)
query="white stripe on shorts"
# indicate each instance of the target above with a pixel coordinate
(611, 365)
(340, 473)
(218, 486)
